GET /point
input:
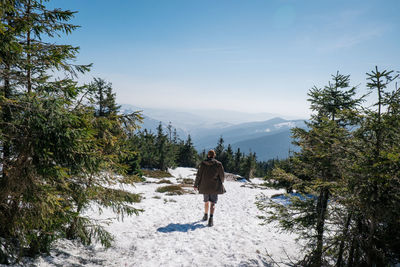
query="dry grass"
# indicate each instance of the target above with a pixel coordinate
(164, 181)
(186, 181)
(131, 179)
(171, 190)
(156, 173)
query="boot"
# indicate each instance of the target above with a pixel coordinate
(205, 217)
(211, 221)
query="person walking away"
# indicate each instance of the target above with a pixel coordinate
(209, 181)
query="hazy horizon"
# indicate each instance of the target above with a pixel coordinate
(220, 114)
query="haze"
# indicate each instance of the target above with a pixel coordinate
(252, 56)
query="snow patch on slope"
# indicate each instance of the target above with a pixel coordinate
(289, 124)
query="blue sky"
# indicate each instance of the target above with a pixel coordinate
(246, 55)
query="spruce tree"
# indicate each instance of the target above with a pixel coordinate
(52, 158)
(375, 183)
(220, 153)
(145, 142)
(165, 152)
(187, 154)
(104, 98)
(230, 164)
(219, 149)
(203, 154)
(248, 166)
(237, 161)
(321, 165)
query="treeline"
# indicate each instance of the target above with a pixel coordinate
(164, 149)
(348, 172)
(240, 163)
(60, 142)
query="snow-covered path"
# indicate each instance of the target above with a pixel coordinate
(169, 232)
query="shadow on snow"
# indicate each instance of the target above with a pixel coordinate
(177, 227)
(286, 199)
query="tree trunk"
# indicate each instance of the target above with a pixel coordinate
(29, 54)
(339, 261)
(351, 252)
(5, 203)
(28, 71)
(354, 254)
(371, 253)
(6, 119)
(321, 213)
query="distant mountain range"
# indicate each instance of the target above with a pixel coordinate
(267, 147)
(268, 138)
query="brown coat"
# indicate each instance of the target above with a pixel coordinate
(210, 177)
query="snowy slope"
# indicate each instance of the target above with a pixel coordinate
(169, 232)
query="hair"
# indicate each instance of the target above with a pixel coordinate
(211, 154)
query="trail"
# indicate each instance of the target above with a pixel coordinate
(169, 232)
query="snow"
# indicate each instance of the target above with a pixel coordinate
(286, 199)
(169, 232)
(289, 124)
(267, 130)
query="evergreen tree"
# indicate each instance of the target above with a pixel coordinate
(169, 132)
(264, 167)
(220, 153)
(187, 155)
(219, 149)
(104, 98)
(237, 161)
(51, 156)
(165, 153)
(230, 164)
(158, 151)
(248, 166)
(375, 184)
(203, 154)
(175, 137)
(145, 142)
(321, 165)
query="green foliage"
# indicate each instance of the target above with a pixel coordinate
(164, 150)
(238, 157)
(156, 150)
(374, 180)
(349, 160)
(87, 231)
(248, 166)
(187, 156)
(56, 146)
(104, 98)
(237, 162)
(230, 164)
(220, 153)
(283, 179)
